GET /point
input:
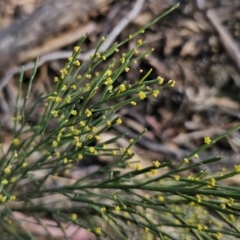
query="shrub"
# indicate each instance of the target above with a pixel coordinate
(126, 201)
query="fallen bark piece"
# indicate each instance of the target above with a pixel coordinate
(46, 21)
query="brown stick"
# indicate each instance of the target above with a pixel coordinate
(64, 39)
(226, 39)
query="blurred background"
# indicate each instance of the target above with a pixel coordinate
(198, 45)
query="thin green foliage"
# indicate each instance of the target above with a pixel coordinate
(125, 200)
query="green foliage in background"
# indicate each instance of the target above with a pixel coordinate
(125, 200)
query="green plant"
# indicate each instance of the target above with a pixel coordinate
(157, 201)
